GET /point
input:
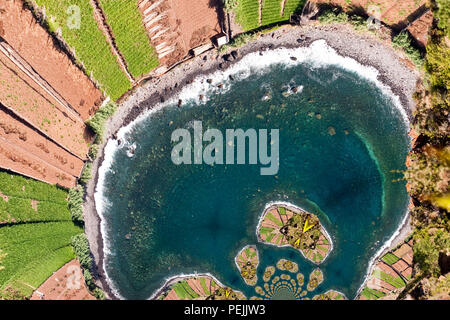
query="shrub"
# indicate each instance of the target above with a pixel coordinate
(239, 41)
(333, 16)
(403, 41)
(81, 248)
(76, 203)
(427, 245)
(98, 293)
(93, 151)
(230, 5)
(98, 121)
(86, 175)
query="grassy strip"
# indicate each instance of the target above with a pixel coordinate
(403, 41)
(372, 294)
(31, 245)
(390, 258)
(247, 14)
(18, 210)
(37, 272)
(20, 187)
(130, 35)
(80, 244)
(89, 42)
(292, 6)
(98, 122)
(271, 12)
(76, 203)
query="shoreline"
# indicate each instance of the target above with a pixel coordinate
(364, 48)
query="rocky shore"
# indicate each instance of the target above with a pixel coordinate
(364, 48)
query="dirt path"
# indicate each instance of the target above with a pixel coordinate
(260, 8)
(283, 4)
(101, 21)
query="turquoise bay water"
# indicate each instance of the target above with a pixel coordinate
(196, 218)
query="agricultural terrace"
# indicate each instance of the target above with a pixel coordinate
(130, 35)
(252, 14)
(286, 226)
(247, 262)
(391, 273)
(35, 234)
(330, 295)
(198, 288)
(24, 97)
(315, 279)
(89, 43)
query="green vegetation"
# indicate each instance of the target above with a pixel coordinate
(31, 252)
(390, 258)
(429, 165)
(372, 294)
(76, 203)
(248, 12)
(239, 41)
(403, 41)
(230, 5)
(34, 251)
(2, 255)
(333, 16)
(428, 244)
(80, 244)
(271, 12)
(98, 122)
(26, 200)
(90, 44)
(130, 35)
(86, 175)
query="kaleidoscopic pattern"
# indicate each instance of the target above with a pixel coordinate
(283, 225)
(290, 285)
(247, 262)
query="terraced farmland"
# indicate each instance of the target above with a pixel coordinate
(90, 44)
(247, 13)
(130, 35)
(33, 250)
(272, 11)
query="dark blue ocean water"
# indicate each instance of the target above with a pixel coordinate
(189, 218)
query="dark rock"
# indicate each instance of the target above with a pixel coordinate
(227, 57)
(209, 81)
(180, 102)
(293, 58)
(444, 261)
(234, 54)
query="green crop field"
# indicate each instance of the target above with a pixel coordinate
(292, 6)
(247, 12)
(36, 241)
(90, 44)
(130, 35)
(271, 12)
